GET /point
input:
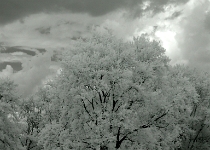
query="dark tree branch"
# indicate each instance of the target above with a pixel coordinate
(88, 100)
(101, 77)
(21, 142)
(119, 141)
(86, 108)
(126, 91)
(65, 125)
(29, 144)
(199, 131)
(161, 116)
(118, 137)
(92, 104)
(114, 104)
(117, 108)
(118, 144)
(5, 142)
(89, 126)
(125, 137)
(100, 97)
(194, 110)
(162, 126)
(105, 95)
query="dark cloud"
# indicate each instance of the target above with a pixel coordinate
(41, 50)
(14, 49)
(194, 41)
(174, 15)
(17, 66)
(44, 30)
(11, 10)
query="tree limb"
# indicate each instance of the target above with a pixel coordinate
(86, 108)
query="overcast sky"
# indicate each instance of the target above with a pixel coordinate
(183, 27)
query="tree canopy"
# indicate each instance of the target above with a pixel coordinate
(111, 94)
(114, 94)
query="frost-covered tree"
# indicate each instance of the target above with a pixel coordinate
(10, 125)
(199, 138)
(117, 95)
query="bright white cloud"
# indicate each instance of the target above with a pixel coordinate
(7, 72)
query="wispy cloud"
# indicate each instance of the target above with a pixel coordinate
(61, 28)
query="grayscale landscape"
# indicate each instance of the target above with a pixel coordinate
(105, 75)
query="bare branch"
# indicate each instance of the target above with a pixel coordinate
(117, 108)
(161, 116)
(198, 133)
(86, 108)
(100, 98)
(114, 104)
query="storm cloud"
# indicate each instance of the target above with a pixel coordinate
(11, 10)
(55, 24)
(194, 40)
